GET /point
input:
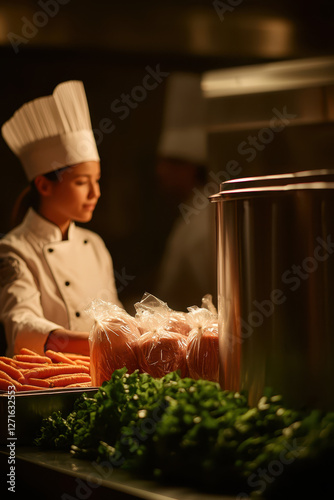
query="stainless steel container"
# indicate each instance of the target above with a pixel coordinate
(21, 420)
(275, 270)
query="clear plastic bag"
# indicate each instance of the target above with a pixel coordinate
(178, 322)
(202, 342)
(160, 349)
(208, 304)
(113, 341)
(162, 352)
(175, 321)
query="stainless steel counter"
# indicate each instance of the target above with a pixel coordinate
(58, 475)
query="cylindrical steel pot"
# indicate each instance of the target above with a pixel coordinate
(275, 279)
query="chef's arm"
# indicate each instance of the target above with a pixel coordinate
(20, 307)
(68, 341)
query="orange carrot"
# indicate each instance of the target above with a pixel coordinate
(29, 358)
(40, 382)
(80, 384)
(25, 350)
(82, 362)
(61, 375)
(15, 383)
(5, 376)
(55, 369)
(59, 380)
(10, 370)
(28, 387)
(64, 375)
(70, 379)
(4, 384)
(77, 357)
(6, 360)
(58, 357)
(22, 365)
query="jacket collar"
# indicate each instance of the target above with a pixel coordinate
(43, 229)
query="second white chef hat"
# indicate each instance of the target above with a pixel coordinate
(183, 132)
(52, 132)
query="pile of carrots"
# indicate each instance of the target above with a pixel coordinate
(29, 371)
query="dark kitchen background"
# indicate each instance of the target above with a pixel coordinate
(112, 46)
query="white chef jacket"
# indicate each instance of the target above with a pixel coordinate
(47, 283)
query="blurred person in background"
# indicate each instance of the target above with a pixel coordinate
(187, 270)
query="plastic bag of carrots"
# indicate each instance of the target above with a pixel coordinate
(152, 307)
(162, 346)
(113, 341)
(202, 343)
(28, 371)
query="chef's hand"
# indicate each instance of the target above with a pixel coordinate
(68, 341)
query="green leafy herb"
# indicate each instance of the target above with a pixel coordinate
(192, 432)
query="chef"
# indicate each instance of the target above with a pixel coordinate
(187, 271)
(50, 268)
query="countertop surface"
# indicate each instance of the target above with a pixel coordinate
(90, 479)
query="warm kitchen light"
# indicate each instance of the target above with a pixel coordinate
(268, 77)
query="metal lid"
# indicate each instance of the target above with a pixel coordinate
(309, 179)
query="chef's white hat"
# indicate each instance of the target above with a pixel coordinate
(183, 131)
(52, 132)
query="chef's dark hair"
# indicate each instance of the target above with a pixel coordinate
(30, 197)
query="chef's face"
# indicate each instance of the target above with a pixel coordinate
(75, 194)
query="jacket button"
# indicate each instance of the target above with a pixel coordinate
(67, 283)
(77, 314)
(50, 250)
